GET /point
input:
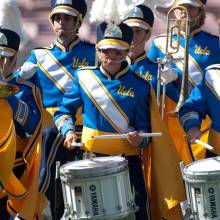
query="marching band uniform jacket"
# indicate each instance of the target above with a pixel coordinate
(204, 100)
(56, 65)
(25, 109)
(26, 106)
(116, 104)
(148, 70)
(203, 51)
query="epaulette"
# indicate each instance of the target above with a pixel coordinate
(50, 47)
(214, 66)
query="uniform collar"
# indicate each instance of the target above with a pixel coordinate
(138, 59)
(196, 31)
(124, 69)
(70, 47)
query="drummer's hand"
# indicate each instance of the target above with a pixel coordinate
(70, 140)
(193, 134)
(134, 138)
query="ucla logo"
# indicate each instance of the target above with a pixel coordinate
(79, 63)
(113, 30)
(122, 90)
(199, 50)
(147, 76)
(3, 39)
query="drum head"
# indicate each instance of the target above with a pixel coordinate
(203, 169)
(93, 167)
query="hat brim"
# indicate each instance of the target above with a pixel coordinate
(195, 3)
(64, 10)
(112, 44)
(138, 23)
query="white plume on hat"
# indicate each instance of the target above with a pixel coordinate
(112, 11)
(10, 18)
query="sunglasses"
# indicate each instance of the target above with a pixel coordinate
(116, 52)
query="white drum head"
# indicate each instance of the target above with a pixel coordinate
(206, 168)
(97, 166)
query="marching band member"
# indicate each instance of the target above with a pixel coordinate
(204, 100)
(108, 93)
(203, 51)
(22, 188)
(141, 20)
(52, 70)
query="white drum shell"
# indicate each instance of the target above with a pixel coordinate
(100, 190)
(202, 179)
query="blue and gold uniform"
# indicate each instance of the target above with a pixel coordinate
(25, 110)
(21, 189)
(203, 51)
(146, 69)
(116, 112)
(55, 69)
(112, 103)
(204, 100)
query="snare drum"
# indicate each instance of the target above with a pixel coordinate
(97, 188)
(202, 180)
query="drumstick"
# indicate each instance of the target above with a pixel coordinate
(205, 145)
(114, 136)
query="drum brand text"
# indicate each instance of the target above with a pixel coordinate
(94, 200)
(212, 202)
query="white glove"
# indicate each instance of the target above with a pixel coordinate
(28, 70)
(168, 74)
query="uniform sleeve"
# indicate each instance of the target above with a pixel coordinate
(195, 108)
(65, 117)
(25, 109)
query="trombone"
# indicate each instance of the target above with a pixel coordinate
(173, 35)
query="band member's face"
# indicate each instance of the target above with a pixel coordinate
(193, 12)
(63, 25)
(140, 36)
(112, 56)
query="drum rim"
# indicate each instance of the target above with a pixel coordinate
(186, 170)
(88, 176)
